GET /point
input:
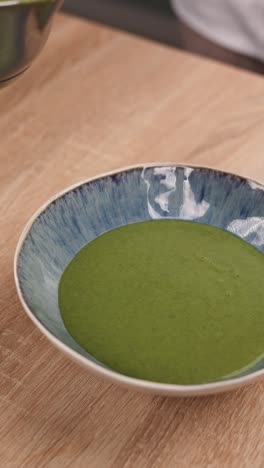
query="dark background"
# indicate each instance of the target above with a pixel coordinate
(155, 20)
(150, 18)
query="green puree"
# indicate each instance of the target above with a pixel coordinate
(167, 301)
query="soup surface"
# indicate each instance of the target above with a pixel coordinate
(167, 301)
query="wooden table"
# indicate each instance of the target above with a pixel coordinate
(96, 100)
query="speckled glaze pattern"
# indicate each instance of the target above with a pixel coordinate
(83, 213)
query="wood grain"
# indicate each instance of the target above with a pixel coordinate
(96, 100)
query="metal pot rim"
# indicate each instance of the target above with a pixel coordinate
(7, 3)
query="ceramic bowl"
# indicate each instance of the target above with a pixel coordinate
(81, 213)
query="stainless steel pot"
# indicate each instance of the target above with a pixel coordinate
(24, 29)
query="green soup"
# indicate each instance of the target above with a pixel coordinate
(168, 301)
